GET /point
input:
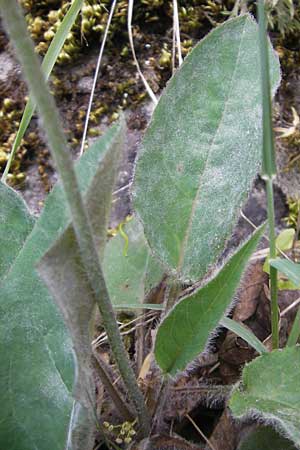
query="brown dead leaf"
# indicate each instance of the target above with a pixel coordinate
(163, 442)
(226, 433)
(250, 292)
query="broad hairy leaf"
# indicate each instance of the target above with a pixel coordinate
(202, 149)
(63, 272)
(265, 438)
(130, 273)
(270, 390)
(37, 369)
(15, 225)
(184, 332)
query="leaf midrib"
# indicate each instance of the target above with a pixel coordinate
(195, 201)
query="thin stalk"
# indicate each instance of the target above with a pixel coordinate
(273, 271)
(130, 37)
(158, 413)
(111, 389)
(47, 66)
(14, 20)
(268, 164)
(176, 28)
(171, 296)
(100, 56)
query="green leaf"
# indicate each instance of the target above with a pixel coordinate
(288, 268)
(202, 150)
(295, 331)
(63, 272)
(268, 153)
(132, 274)
(15, 225)
(270, 389)
(37, 370)
(285, 239)
(265, 438)
(184, 332)
(245, 333)
(47, 66)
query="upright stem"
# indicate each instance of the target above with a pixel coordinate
(268, 163)
(16, 26)
(273, 271)
(171, 296)
(111, 389)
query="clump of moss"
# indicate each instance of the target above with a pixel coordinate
(44, 18)
(284, 16)
(11, 111)
(152, 28)
(294, 210)
(10, 115)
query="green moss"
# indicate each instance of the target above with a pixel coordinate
(294, 211)
(152, 26)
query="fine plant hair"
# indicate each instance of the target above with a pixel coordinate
(198, 160)
(210, 344)
(57, 142)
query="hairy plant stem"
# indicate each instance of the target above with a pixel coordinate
(268, 163)
(111, 389)
(14, 20)
(171, 296)
(273, 271)
(158, 414)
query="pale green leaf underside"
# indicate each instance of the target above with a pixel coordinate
(15, 225)
(270, 388)
(130, 274)
(202, 149)
(36, 371)
(63, 272)
(184, 332)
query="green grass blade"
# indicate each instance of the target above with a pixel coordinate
(268, 163)
(47, 66)
(288, 268)
(134, 306)
(295, 331)
(60, 37)
(243, 332)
